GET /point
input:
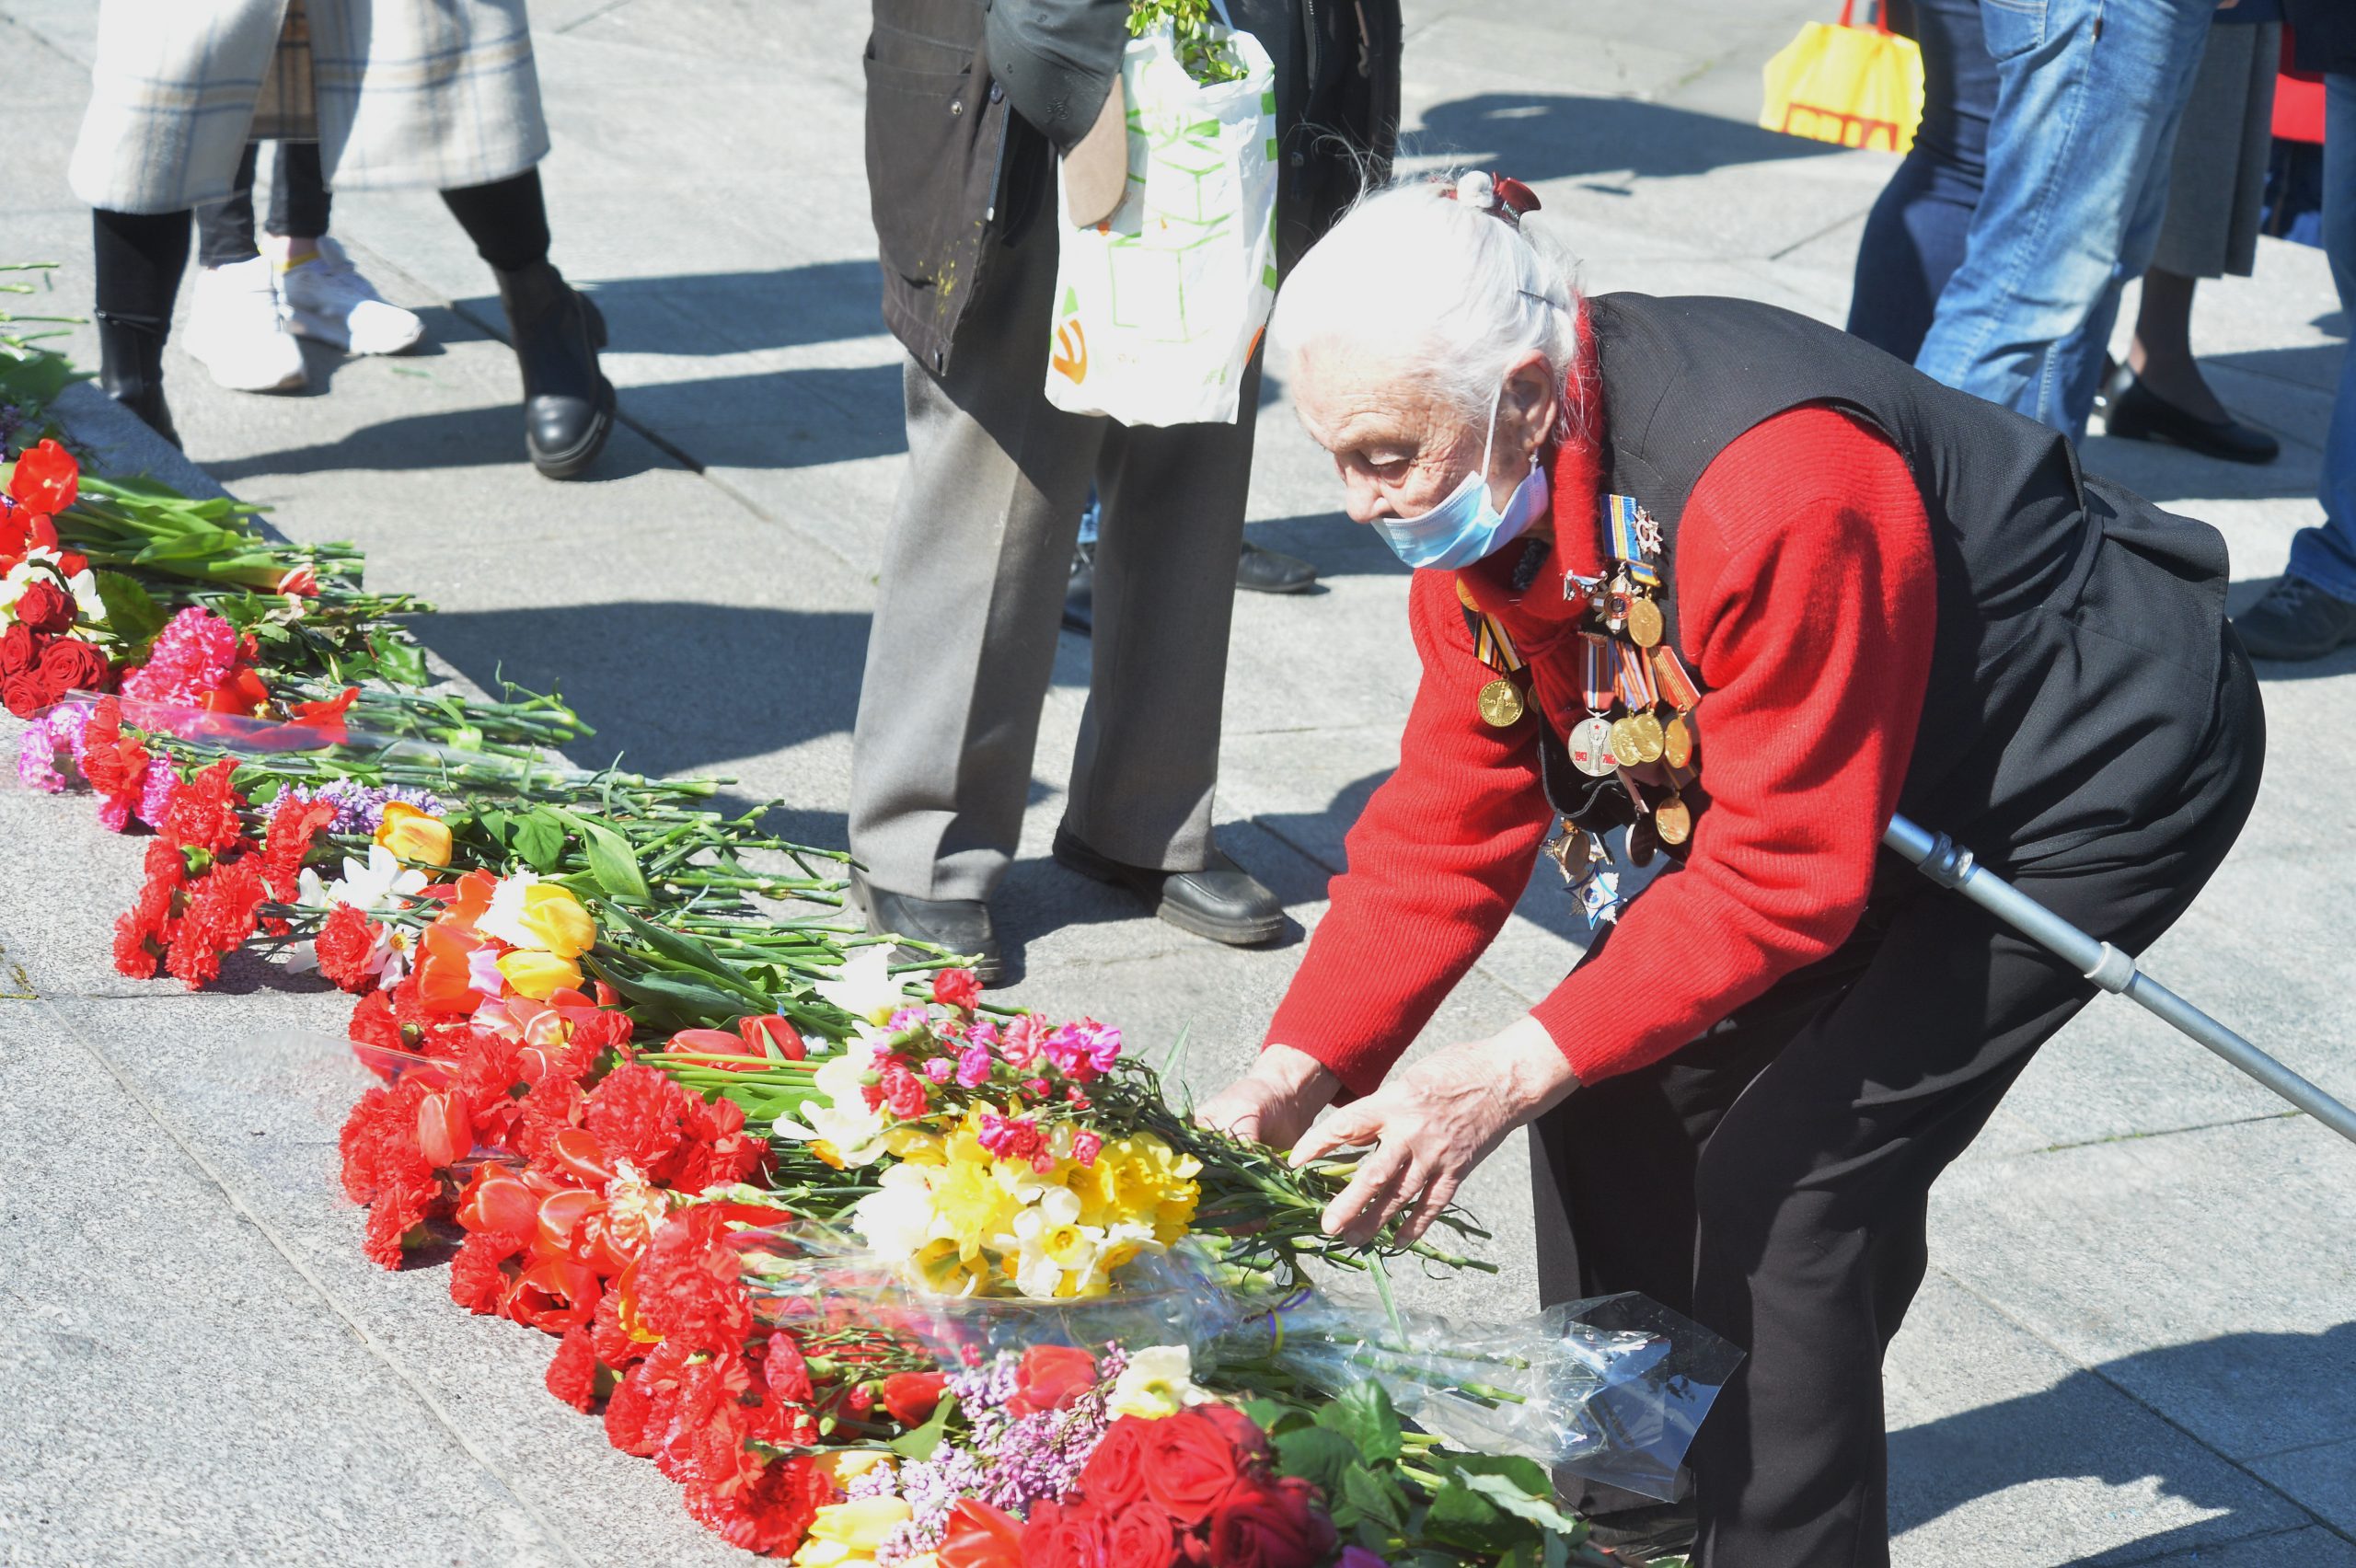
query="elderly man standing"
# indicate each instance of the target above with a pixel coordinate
(971, 110)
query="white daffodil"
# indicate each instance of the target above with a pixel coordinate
(897, 1219)
(504, 919)
(1157, 1381)
(865, 988)
(843, 1119)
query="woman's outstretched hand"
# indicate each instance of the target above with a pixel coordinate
(1275, 1101)
(1431, 1125)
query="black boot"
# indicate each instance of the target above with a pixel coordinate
(567, 402)
(131, 371)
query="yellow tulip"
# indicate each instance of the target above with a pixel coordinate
(556, 918)
(539, 976)
(416, 837)
(842, 1466)
(848, 1535)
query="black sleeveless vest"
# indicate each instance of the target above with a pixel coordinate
(2024, 650)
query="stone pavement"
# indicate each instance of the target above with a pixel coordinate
(2138, 1342)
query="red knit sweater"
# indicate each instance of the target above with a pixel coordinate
(1806, 596)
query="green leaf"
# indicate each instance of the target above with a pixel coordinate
(539, 839)
(1376, 1496)
(611, 859)
(132, 614)
(683, 1002)
(1462, 1517)
(1539, 1509)
(1319, 1455)
(920, 1443)
(401, 663)
(1364, 1414)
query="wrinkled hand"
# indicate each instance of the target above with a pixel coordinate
(1275, 1101)
(1431, 1125)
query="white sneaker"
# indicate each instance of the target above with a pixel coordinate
(235, 332)
(328, 299)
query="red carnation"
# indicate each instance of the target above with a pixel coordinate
(46, 478)
(222, 912)
(572, 1374)
(638, 1115)
(1271, 1527)
(959, 988)
(293, 824)
(771, 1515)
(612, 1342)
(44, 606)
(688, 1289)
(116, 767)
(478, 1276)
(346, 947)
(202, 812)
(394, 1216)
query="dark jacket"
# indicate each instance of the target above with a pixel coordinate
(968, 100)
(2327, 33)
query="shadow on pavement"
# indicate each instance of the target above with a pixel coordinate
(1942, 1465)
(1562, 135)
(700, 313)
(454, 438)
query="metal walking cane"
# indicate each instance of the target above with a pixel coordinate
(1949, 864)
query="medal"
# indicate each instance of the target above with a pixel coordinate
(1501, 705)
(1677, 741)
(1645, 624)
(1652, 739)
(1633, 680)
(1625, 749)
(1575, 853)
(1644, 841)
(1589, 743)
(1601, 898)
(1674, 819)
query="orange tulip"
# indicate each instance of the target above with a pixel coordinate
(444, 978)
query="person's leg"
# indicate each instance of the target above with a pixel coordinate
(300, 205)
(2326, 556)
(137, 260)
(225, 230)
(557, 331)
(964, 640)
(1812, 1192)
(327, 296)
(2078, 155)
(1915, 237)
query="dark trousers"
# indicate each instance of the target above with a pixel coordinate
(1772, 1180)
(299, 205)
(1914, 237)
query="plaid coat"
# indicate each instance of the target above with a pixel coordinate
(438, 94)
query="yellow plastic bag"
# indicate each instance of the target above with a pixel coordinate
(1858, 86)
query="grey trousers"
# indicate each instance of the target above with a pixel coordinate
(964, 640)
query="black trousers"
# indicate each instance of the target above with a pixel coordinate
(1772, 1179)
(299, 206)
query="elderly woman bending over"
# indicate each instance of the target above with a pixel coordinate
(1731, 587)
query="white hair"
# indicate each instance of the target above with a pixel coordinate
(1425, 270)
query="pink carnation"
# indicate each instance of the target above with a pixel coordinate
(192, 655)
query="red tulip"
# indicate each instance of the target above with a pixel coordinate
(582, 1156)
(443, 1134)
(559, 1221)
(498, 1201)
(554, 1294)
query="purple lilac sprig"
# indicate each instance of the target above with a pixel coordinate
(360, 808)
(1030, 1457)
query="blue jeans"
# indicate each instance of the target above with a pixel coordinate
(2089, 94)
(2326, 556)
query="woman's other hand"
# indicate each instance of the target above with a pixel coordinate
(1431, 1125)
(1275, 1101)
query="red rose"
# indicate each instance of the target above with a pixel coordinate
(1051, 1376)
(23, 694)
(959, 988)
(1249, 1439)
(981, 1537)
(44, 606)
(1114, 1476)
(45, 478)
(1271, 1527)
(1141, 1536)
(910, 1398)
(1060, 1535)
(19, 651)
(71, 664)
(1191, 1465)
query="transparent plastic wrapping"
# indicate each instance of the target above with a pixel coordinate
(1610, 1389)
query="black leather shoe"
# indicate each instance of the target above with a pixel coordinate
(1222, 901)
(131, 371)
(567, 402)
(2296, 620)
(960, 925)
(2137, 413)
(1080, 592)
(1266, 572)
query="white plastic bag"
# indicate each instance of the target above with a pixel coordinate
(1158, 307)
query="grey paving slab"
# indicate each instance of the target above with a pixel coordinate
(1990, 1428)
(2321, 1478)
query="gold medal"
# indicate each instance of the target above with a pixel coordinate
(1677, 741)
(1574, 853)
(1589, 743)
(1501, 704)
(1651, 739)
(1625, 749)
(1644, 624)
(1674, 820)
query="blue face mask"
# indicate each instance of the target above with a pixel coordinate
(1468, 526)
